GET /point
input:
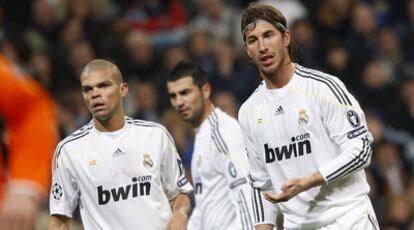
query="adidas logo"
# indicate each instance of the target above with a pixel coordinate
(118, 153)
(279, 110)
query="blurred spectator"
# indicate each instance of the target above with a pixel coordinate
(333, 18)
(164, 20)
(141, 61)
(182, 134)
(219, 20)
(229, 74)
(390, 169)
(390, 54)
(146, 101)
(226, 101)
(41, 68)
(307, 45)
(361, 39)
(374, 86)
(338, 63)
(292, 9)
(399, 213)
(200, 49)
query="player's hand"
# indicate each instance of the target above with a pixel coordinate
(18, 212)
(290, 189)
(178, 222)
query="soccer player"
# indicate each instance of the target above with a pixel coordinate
(123, 173)
(219, 164)
(28, 113)
(306, 135)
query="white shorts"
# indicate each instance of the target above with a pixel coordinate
(361, 217)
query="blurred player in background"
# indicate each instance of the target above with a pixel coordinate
(28, 113)
(306, 135)
(123, 173)
(219, 164)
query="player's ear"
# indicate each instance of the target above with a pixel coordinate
(123, 89)
(287, 38)
(206, 90)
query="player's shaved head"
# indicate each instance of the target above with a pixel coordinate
(100, 64)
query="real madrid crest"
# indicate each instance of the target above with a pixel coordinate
(147, 162)
(303, 117)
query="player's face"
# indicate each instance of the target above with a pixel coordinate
(267, 47)
(187, 98)
(102, 93)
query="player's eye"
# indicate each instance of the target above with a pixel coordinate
(86, 89)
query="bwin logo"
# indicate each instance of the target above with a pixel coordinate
(300, 145)
(141, 186)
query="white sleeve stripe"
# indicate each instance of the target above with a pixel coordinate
(333, 82)
(245, 207)
(70, 139)
(217, 143)
(358, 161)
(215, 116)
(357, 166)
(141, 123)
(258, 205)
(242, 214)
(327, 82)
(216, 136)
(254, 207)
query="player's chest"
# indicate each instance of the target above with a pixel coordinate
(204, 159)
(287, 117)
(122, 162)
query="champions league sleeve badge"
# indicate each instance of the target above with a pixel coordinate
(57, 191)
(147, 161)
(353, 118)
(355, 122)
(303, 117)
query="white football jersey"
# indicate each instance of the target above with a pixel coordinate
(219, 170)
(311, 124)
(121, 180)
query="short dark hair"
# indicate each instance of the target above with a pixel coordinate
(188, 68)
(256, 11)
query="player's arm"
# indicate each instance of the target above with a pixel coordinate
(347, 127)
(345, 122)
(181, 209)
(264, 212)
(64, 192)
(175, 184)
(58, 222)
(194, 222)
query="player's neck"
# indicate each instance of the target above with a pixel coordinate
(114, 123)
(281, 76)
(208, 109)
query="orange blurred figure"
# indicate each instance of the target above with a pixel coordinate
(29, 116)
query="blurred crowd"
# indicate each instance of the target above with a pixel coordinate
(368, 44)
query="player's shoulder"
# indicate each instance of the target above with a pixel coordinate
(147, 127)
(77, 136)
(254, 100)
(323, 84)
(225, 122)
(144, 125)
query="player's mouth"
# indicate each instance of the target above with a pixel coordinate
(266, 59)
(96, 106)
(183, 112)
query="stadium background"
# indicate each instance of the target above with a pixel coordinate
(368, 44)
